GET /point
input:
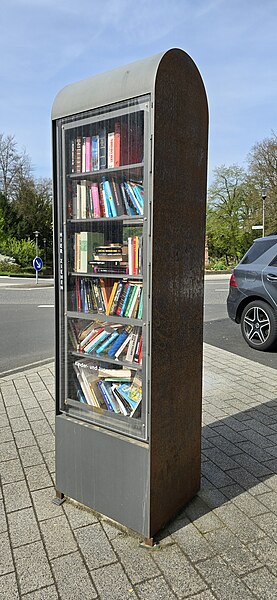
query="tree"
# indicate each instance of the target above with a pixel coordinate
(14, 167)
(33, 205)
(262, 162)
(228, 217)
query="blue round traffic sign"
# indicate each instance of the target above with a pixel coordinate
(37, 263)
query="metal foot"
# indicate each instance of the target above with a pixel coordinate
(59, 498)
(149, 544)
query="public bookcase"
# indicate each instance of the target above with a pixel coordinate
(130, 159)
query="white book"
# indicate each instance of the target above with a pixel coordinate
(111, 150)
(83, 200)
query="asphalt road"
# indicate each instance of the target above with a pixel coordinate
(27, 323)
(220, 331)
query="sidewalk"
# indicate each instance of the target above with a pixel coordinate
(222, 546)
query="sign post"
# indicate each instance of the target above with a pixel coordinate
(37, 264)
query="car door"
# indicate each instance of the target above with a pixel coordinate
(269, 279)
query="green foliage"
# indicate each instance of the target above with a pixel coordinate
(23, 251)
(9, 267)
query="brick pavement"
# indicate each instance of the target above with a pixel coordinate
(222, 546)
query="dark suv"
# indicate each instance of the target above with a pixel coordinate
(252, 299)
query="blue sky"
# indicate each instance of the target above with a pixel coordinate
(47, 44)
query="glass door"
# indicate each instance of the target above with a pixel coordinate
(104, 249)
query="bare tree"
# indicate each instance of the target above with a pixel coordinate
(14, 166)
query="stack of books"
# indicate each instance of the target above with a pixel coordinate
(116, 390)
(103, 339)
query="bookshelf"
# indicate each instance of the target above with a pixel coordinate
(129, 166)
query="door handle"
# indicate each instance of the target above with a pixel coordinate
(271, 277)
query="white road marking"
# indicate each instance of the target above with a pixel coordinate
(46, 305)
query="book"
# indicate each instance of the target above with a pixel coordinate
(107, 342)
(95, 200)
(85, 242)
(105, 395)
(114, 288)
(95, 153)
(117, 343)
(117, 144)
(117, 197)
(109, 197)
(102, 148)
(88, 154)
(78, 162)
(132, 199)
(132, 346)
(111, 150)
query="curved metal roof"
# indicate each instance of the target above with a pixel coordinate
(128, 81)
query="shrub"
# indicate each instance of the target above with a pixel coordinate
(9, 267)
(23, 251)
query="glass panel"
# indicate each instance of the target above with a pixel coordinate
(105, 342)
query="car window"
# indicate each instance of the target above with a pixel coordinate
(257, 250)
(273, 263)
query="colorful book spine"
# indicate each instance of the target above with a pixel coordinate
(105, 395)
(117, 144)
(109, 197)
(107, 342)
(88, 154)
(95, 200)
(95, 153)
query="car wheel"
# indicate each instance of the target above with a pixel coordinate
(259, 325)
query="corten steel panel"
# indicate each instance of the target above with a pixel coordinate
(104, 471)
(179, 197)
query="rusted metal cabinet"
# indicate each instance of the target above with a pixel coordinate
(129, 162)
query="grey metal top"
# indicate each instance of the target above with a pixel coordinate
(122, 83)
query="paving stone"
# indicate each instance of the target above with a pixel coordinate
(249, 505)
(16, 411)
(49, 458)
(44, 507)
(112, 583)
(5, 435)
(157, 589)
(111, 530)
(211, 495)
(95, 546)
(46, 442)
(270, 501)
(8, 587)
(16, 496)
(262, 583)
(6, 562)
(137, 562)
(222, 460)
(254, 451)
(178, 572)
(19, 424)
(191, 541)
(4, 421)
(3, 520)
(23, 527)
(268, 524)
(34, 414)
(58, 537)
(224, 583)
(30, 456)
(252, 465)
(11, 471)
(47, 593)
(256, 438)
(233, 551)
(218, 477)
(239, 523)
(78, 515)
(24, 438)
(8, 451)
(78, 586)
(41, 428)
(266, 551)
(38, 477)
(32, 567)
(244, 478)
